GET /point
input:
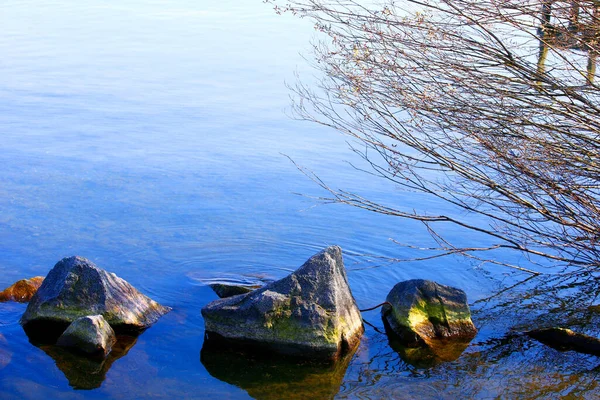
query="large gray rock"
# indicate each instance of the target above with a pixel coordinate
(76, 288)
(421, 310)
(309, 313)
(91, 335)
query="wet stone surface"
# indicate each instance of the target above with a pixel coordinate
(90, 335)
(310, 313)
(76, 288)
(420, 310)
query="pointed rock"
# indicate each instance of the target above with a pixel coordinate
(310, 313)
(420, 310)
(91, 335)
(22, 291)
(76, 288)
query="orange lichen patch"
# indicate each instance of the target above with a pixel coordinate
(22, 291)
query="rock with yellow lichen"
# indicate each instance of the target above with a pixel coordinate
(310, 313)
(419, 311)
(22, 291)
(76, 288)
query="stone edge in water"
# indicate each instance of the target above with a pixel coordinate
(151, 314)
(417, 327)
(336, 343)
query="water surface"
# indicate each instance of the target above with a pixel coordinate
(151, 137)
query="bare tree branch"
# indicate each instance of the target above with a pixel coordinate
(490, 106)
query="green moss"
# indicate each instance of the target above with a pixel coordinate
(417, 315)
(427, 312)
(279, 325)
(286, 328)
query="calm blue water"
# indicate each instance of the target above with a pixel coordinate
(150, 137)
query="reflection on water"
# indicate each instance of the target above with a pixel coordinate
(84, 372)
(572, 25)
(426, 356)
(512, 367)
(274, 377)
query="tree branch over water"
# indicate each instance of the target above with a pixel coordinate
(489, 106)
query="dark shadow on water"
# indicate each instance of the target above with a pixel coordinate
(44, 332)
(274, 377)
(83, 372)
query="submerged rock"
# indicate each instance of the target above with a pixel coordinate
(23, 290)
(309, 313)
(225, 290)
(421, 310)
(227, 285)
(91, 335)
(565, 339)
(76, 288)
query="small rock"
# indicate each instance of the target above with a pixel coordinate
(421, 310)
(22, 291)
(309, 313)
(227, 285)
(91, 335)
(76, 288)
(565, 339)
(224, 290)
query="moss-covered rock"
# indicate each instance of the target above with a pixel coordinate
(22, 291)
(91, 335)
(76, 288)
(420, 310)
(310, 313)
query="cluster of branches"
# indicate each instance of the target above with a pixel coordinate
(487, 105)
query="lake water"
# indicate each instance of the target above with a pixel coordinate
(151, 137)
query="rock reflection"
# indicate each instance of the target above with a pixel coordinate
(84, 372)
(427, 354)
(275, 378)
